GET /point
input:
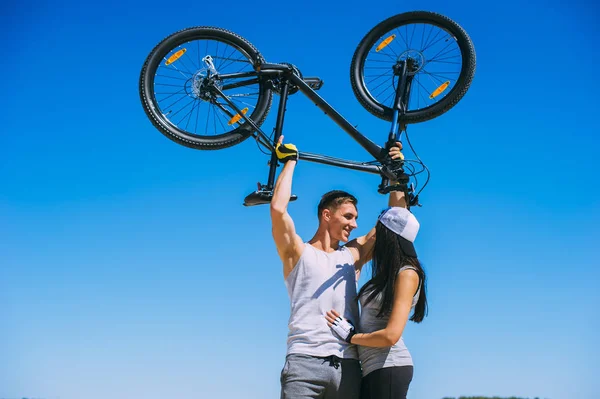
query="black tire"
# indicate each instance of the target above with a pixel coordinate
(383, 109)
(249, 58)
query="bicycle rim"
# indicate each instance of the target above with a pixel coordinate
(437, 64)
(181, 81)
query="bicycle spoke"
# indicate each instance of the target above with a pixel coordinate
(402, 37)
(187, 56)
(428, 36)
(380, 84)
(434, 43)
(219, 60)
(448, 45)
(393, 57)
(390, 56)
(418, 92)
(388, 97)
(420, 84)
(445, 62)
(422, 37)
(182, 108)
(438, 74)
(220, 121)
(199, 63)
(436, 81)
(173, 103)
(217, 50)
(178, 92)
(232, 61)
(184, 65)
(171, 77)
(381, 61)
(175, 69)
(448, 52)
(207, 118)
(388, 68)
(386, 88)
(378, 77)
(427, 45)
(411, 36)
(425, 100)
(215, 119)
(197, 114)
(189, 114)
(448, 58)
(179, 60)
(166, 84)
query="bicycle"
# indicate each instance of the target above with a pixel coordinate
(391, 78)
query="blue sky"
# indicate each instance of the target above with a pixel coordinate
(129, 267)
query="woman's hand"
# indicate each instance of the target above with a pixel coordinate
(341, 326)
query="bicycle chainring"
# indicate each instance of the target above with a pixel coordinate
(278, 84)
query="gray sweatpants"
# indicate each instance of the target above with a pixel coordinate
(305, 377)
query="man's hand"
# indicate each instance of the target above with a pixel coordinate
(341, 326)
(395, 152)
(286, 152)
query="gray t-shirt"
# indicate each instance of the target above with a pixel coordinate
(376, 358)
(319, 282)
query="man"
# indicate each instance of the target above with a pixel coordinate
(321, 275)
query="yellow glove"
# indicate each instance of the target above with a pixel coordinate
(286, 152)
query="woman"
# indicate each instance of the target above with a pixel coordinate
(397, 286)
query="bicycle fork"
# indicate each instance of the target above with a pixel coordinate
(401, 98)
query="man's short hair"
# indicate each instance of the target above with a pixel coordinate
(333, 199)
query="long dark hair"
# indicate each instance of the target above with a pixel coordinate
(388, 258)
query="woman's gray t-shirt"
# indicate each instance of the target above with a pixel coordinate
(376, 358)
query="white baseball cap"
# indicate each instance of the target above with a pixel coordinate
(405, 224)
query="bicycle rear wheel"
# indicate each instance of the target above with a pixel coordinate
(175, 88)
(440, 52)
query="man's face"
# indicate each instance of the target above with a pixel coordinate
(341, 221)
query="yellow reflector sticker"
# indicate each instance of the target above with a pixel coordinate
(384, 43)
(175, 56)
(439, 90)
(237, 117)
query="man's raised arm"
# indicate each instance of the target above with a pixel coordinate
(289, 244)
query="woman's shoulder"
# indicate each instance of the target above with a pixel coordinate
(408, 270)
(409, 274)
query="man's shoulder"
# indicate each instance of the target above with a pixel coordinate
(353, 249)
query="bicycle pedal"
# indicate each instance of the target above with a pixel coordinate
(260, 197)
(314, 83)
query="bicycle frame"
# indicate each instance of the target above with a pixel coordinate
(285, 74)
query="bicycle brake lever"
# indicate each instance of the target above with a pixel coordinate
(413, 199)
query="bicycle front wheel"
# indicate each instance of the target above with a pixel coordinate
(177, 85)
(441, 58)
